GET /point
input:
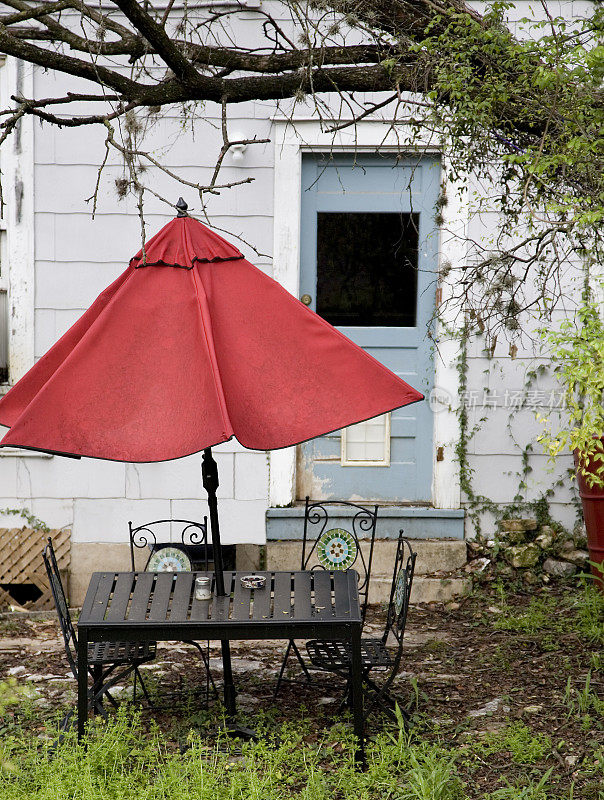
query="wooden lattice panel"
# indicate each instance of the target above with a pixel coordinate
(21, 561)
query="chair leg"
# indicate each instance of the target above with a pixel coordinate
(291, 646)
(206, 663)
(385, 700)
(346, 698)
(282, 670)
(302, 663)
(143, 687)
(111, 698)
(96, 692)
(102, 686)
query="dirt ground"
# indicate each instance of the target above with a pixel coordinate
(463, 678)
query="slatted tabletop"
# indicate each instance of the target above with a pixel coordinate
(137, 606)
(138, 600)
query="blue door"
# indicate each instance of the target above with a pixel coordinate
(368, 266)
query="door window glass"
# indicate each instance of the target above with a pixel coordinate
(367, 268)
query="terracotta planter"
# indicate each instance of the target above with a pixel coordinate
(592, 499)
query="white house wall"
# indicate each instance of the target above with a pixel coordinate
(76, 257)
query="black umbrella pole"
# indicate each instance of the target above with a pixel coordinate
(209, 476)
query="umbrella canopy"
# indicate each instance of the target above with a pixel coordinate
(191, 346)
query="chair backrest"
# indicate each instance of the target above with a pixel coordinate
(58, 594)
(335, 547)
(400, 591)
(184, 535)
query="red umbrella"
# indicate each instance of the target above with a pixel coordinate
(191, 346)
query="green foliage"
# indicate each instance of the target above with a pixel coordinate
(524, 790)
(538, 617)
(525, 747)
(31, 520)
(585, 702)
(577, 350)
(527, 102)
(588, 606)
(431, 776)
(122, 762)
(13, 693)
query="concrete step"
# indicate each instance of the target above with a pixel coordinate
(424, 590)
(433, 555)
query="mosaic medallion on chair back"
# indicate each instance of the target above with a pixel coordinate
(336, 549)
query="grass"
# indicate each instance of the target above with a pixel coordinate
(538, 616)
(582, 613)
(446, 757)
(588, 607)
(516, 739)
(125, 762)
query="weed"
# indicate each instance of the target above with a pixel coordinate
(538, 617)
(589, 613)
(584, 702)
(432, 776)
(525, 747)
(525, 790)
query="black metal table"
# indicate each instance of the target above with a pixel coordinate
(161, 606)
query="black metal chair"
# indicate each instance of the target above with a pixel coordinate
(375, 653)
(164, 555)
(158, 537)
(109, 662)
(334, 548)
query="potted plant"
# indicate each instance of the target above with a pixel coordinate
(576, 349)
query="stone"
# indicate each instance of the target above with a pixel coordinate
(515, 537)
(559, 569)
(545, 540)
(523, 556)
(477, 565)
(247, 699)
(489, 708)
(122, 691)
(518, 525)
(578, 557)
(530, 578)
(16, 670)
(571, 761)
(536, 709)
(567, 546)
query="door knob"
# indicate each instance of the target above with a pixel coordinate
(306, 299)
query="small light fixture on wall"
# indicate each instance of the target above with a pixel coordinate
(237, 150)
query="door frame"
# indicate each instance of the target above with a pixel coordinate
(292, 139)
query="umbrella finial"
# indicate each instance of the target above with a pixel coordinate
(182, 208)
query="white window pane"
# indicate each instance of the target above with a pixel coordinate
(367, 442)
(374, 451)
(356, 451)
